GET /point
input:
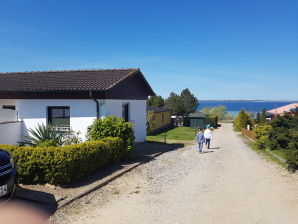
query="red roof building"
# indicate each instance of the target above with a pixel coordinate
(284, 109)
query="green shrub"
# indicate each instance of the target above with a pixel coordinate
(242, 120)
(43, 135)
(64, 164)
(212, 120)
(262, 133)
(113, 127)
(292, 151)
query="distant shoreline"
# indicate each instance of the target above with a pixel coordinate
(248, 101)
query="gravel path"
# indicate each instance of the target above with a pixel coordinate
(230, 183)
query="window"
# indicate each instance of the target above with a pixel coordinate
(59, 117)
(125, 112)
(9, 107)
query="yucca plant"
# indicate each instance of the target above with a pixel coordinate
(43, 135)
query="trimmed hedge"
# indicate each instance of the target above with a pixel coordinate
(64, 164)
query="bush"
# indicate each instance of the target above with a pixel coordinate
(150, 122)
(262, 133)
(43, 135)
(113, 127)
(242, 120)
(212, 120)
(64, 164)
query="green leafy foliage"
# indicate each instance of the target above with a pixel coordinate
(182, 104)
(280, 134)
(189, 101)
(43, 135)
(263, 116)
(156, 101)
(175, 102)
(262, 133)
(113, 126)
(242, 120)
(150, 121)
(64, 164)
(219, 111)
(71, 137)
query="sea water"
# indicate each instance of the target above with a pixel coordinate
(234, 106)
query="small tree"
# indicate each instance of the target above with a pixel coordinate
(262, 136)
(263, 116)
(258, 118)
(242, 120)
(150, 121)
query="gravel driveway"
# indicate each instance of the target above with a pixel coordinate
(229, 183)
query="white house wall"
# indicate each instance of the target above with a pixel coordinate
(137, 114)
(34, 112)
(7, 115)
(82, 113)
(10, 133)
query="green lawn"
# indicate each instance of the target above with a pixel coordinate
(179, 133)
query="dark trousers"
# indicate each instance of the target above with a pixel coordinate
(207, 142)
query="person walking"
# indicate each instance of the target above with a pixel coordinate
(207, 136)
(200, 140)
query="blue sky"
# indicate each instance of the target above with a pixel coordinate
(219, 49)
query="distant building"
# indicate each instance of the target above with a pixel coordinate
(197, 119)
(290, 108)
(162, 118)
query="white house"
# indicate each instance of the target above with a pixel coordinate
(71, 99)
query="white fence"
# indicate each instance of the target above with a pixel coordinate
(10, 133)
(8, 115)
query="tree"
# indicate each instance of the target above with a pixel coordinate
(190, 102)
(156, 101)
(150, 121)
(258, 119)
(174, 102)
(206, 110)
(242, 120)
(263, 116)
(219, 111)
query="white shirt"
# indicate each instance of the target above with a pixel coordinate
(207, 134)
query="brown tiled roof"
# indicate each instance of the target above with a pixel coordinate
(73, 80)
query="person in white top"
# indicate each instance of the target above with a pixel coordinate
(207, 136)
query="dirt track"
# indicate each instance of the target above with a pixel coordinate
(228, 184)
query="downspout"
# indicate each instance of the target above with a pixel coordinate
(97, 104)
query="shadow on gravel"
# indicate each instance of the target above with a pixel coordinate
(143, 153)
(209, 151)
(43, 201)
(215, 148)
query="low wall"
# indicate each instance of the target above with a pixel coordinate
(10, 133)
(248, 133)
(7, 115)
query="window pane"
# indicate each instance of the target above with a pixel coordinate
(59, 116)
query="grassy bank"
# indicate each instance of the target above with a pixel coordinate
(178, 133)
(276, 156)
